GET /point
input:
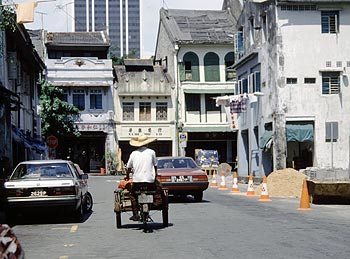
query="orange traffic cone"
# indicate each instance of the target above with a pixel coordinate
(304, 199)
(264, 192)
(213, 181)
(235, 183)
(250, 191)
(223, 183)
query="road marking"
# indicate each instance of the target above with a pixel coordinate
(63, 257)
(74, 228)
(69, 245)
(112, 181)
(65, 228)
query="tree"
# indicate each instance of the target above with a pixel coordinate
(57, 116)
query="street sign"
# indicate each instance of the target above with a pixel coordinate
(52, 141)
(182, 136)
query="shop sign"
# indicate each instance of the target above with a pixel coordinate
(91, 127)
(152, 131)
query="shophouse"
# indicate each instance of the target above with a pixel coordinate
(78, 63)
(144, 105)
(294, 55)
(20, 72)
(198, 49)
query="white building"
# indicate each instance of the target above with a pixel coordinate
(144, 106)
(297, 54)
(78, 63)
(198, 48)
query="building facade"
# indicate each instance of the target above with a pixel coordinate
(294, 56)
(120, 18)
(78, 63)
(144, 106)
(198, 49)
(21, 70)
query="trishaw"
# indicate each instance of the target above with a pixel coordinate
(155, 198)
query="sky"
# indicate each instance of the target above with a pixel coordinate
(55, 16)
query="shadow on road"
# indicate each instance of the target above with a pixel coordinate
(54, 216)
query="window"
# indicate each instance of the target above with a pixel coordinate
(330, 21)
(161, 111)
(264, 27)
(229, 61)
(330, 83)
(210, 103)
(192, 102)
(240, 43)
(79, 99)
(254, 84)
(251, 30)
(309, 80)
(292, 80)
(145, 111)
(95, 99)
(64, 96)
(211, 67)
(189, 68)
(128, 111)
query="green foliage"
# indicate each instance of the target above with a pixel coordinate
(120, 60)
(8, 18)
(57, 116)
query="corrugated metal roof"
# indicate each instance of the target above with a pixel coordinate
(78, 38)
(201, 26)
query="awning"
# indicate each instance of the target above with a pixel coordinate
(300, 132)
(265, 138)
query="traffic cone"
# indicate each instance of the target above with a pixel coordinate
(213, 181)
(235, 183)
(250, 191)
(304, 199)
(222, 183)
(264, 192)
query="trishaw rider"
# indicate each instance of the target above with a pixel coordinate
(142, 164)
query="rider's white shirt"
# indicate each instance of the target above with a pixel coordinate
(142, 161)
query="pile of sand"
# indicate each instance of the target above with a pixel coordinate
(284, 183)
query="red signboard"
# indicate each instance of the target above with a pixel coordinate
(52, 141)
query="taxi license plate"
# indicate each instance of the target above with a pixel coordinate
(144, 198)
(181, 178)
(38, 193)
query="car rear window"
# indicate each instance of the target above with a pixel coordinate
(35, 171)
(176, 163)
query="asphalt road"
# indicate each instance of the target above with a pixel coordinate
(222, 226)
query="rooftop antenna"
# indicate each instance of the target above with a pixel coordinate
(41, 18)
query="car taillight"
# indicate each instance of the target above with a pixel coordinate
(70, 190)
(14, 192)
(200, 178)
(164, 178)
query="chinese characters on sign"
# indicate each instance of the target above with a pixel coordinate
(92, 127)
(154, 131)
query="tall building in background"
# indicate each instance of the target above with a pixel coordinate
(120, 18)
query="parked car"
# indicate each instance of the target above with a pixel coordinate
(182, 176)
(47, 183)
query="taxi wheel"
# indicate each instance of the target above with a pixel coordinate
(88, 202)
(198, 196)
(118, 219)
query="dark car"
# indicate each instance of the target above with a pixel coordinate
(182, 176)
(47, 183)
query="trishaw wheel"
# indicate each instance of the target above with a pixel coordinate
(118, 219)
(165, 217)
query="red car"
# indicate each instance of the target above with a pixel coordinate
(182, 176)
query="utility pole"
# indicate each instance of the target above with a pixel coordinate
(42, 18)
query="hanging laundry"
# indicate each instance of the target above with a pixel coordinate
(25, 12)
